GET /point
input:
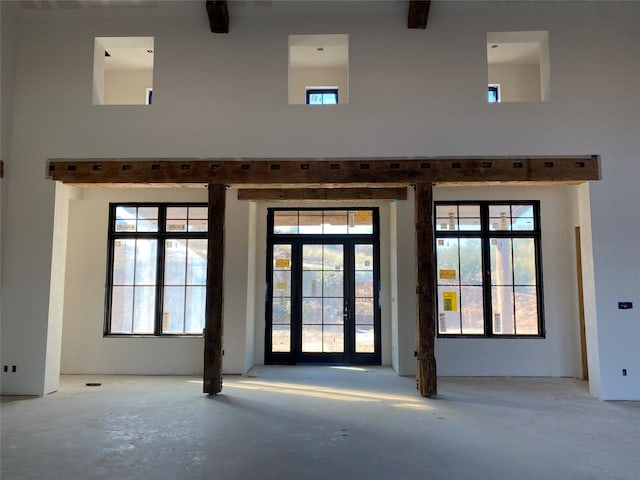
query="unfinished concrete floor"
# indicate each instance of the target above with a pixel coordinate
(319, 423)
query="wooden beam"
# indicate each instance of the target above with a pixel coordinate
(399, 193)
(213, 330)
(418, 13)
(581, 313)
(388, 171)
(425, 291)
(218, 13)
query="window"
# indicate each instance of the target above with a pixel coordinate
(322, 96)
(157, 269)
(488, 269)
(494, 93)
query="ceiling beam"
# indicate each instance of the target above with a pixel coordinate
(333, 172)
(418, 13)
(218, 13)
(397, 193)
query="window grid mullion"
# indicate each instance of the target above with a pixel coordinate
(513, 287)
(186, 281)
(160, 260)
(459, 282)
(487, 283)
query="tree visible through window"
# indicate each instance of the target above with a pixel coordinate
(488, 269)
(157, 271)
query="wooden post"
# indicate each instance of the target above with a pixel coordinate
(425, 290)
(583, 331)
(212, 378)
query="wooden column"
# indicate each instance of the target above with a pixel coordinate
(212, 381)
(425, 290)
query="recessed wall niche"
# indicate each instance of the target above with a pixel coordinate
(123, 70)
(518, 65)
(319, 63)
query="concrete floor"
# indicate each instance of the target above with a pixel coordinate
(319, 423)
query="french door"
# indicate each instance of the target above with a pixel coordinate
(323, 287)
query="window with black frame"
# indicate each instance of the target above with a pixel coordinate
(157, 269)
(322, 96)
(489, 279)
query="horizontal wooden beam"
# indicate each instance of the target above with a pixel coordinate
(418, 13)
(218, 13)
(398, 193)
(326, 172)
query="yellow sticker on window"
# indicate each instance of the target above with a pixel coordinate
(447, 274)
(282, 285)
(363, 215)
(450, 301)
(282, 262)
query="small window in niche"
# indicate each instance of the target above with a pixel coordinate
(322, 96)
(494, 93)
(316, 61)
(123, 70)
(518, 62)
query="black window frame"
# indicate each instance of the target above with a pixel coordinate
(161, 235)
(485, 234)
(316, 91)
(496, 90)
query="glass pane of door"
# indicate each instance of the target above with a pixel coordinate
(323, 298)
(281, 303)
(364, 298)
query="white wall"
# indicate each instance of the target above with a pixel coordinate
(557, 355)
(127, 87)
(412, 93)
(300, 78)
(84, 348)
(7, 72)
(518, 83)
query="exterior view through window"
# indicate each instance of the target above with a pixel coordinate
(322, 96)
(488, 269)
(157, 270)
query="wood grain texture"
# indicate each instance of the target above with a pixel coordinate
(335, 172)
(425, 291)
(418, 13)
(218, 13)
(213, 330)
(399, 193)
(583, 331)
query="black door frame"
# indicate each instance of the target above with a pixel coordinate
(349, 356)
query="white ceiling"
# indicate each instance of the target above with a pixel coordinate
(516, 48)
(303, 51)
(127, 53)
(513, 53)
